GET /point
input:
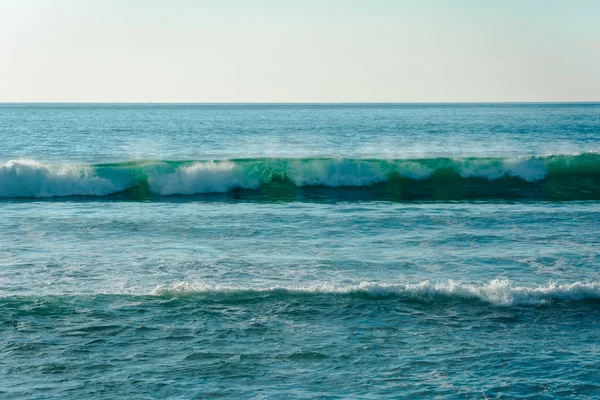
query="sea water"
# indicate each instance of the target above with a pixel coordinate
(299, 251)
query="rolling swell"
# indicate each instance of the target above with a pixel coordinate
(555, 177)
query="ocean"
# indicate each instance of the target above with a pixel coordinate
(299, 251)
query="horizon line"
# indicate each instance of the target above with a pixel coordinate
(298, 103)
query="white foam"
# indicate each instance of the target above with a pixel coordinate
(496, 292)
(528, 169)
(201, 177)
(336, 173)
(414, 170)
(28, 178)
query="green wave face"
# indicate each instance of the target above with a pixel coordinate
(556, 177)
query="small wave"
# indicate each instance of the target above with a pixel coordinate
(557, 177)
(496, 292)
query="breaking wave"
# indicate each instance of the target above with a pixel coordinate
(496, 292)
(555, 177)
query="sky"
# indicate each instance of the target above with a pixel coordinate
(299, 51)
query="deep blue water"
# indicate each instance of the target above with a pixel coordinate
(300, 251)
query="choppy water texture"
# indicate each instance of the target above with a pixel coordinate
(300, 251)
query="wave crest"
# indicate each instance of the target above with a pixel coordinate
(553, 177)
(28, 178)
(201, 177)
(496, 292)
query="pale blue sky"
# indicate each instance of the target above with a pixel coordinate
(299, 51)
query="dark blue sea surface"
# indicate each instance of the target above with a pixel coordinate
(300, 251)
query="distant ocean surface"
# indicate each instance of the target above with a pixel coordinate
(300, 251)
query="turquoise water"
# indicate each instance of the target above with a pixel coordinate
(300, 251)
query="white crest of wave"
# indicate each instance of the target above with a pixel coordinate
(503, 292)
(528, 169)
(415, 170)
(336, 173)
(28, 178)
(495, 292)
(202, 177)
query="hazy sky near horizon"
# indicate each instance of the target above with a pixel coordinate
(299, 51)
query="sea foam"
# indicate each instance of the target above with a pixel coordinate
(28, 178)
(201, 177)
(495, 292)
